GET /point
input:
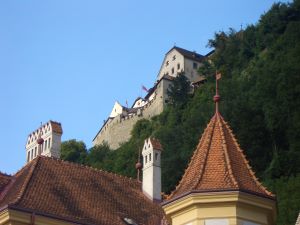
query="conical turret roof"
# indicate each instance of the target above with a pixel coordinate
(219, 164)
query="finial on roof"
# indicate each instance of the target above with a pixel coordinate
(217, 96)
(139, 166)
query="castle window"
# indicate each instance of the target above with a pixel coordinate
(195, 65)
(150, 157)
(174, 57)
(173, 70)
(49, 142)
(178, 66)
(167, 63)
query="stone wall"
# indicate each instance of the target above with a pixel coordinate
(117, 130)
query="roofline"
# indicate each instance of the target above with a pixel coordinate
(18, 208)
(218, 191)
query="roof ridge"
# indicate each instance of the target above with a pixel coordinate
(252, 173)
(203, 164)
(27, 179)
(90, 168)
(203, 138)
(224, 148)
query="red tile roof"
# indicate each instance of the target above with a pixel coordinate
(56, 127)
(4, 180)
(156, 144)
(84, 195)
(218, 164)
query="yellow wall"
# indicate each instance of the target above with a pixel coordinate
(14, 217)
(237, 207)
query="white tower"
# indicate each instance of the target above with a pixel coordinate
(151, 169)
(44, 141)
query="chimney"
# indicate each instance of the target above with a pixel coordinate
(151, 169)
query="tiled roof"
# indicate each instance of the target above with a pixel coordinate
(80, 194)
(188, 54)
(156, 144)
(4, 180)
(218, 164)
(56, 127)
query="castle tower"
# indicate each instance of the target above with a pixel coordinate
(44, 141)
(218, 186)
(151, 171)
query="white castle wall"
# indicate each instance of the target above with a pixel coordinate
(118, 129)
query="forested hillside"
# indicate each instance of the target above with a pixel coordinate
(260, 91)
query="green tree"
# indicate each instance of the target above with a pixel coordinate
(73, 151)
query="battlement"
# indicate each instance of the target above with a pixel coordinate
(117, 128)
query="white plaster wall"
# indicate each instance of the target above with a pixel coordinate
(167, 69)
(191, 73)
(55, 142)
(117, 110)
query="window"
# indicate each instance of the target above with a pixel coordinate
(174, 57)
(150, 157)
(145, 159)
(45, 146)
(178, 66)
(216, 222)
(32, 154)
(49, 140)
(167, 73)
(195, 65)
(28, 156)
(167, 63)
(173, 70)
(156, 156)
(35, 150)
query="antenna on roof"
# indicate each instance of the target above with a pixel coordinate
(217, 96)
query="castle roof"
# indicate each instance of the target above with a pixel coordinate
(218, 164)
(188, 54)
(77, 194)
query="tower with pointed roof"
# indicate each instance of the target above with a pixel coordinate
(151, 169)
(218, 186)
(45, 141)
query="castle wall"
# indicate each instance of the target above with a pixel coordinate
(117, 130)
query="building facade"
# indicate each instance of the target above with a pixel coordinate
(49, 135)
(116, 129)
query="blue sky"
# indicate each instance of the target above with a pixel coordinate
(69, 61)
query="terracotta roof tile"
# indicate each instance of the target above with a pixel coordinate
(218, 164)
(56, 127)
(156, 144)
(81, 194)
(4, 180)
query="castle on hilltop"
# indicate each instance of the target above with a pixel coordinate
(116, 129)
